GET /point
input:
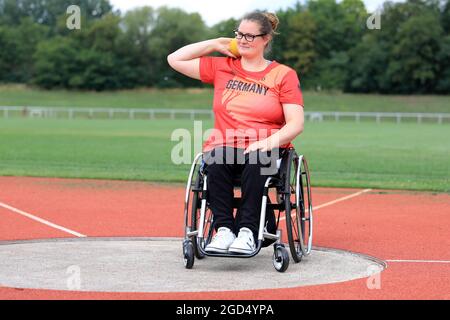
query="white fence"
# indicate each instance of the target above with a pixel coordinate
(195, 114)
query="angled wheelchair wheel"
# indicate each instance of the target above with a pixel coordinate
(305, 205)
(192, 199)
(192, 208)
(195, 220)
(298, 207)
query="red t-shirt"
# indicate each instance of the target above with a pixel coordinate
(248, 106)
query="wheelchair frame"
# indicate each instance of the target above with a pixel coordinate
(291, 182)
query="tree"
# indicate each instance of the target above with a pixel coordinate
(223, 29)
(300, 50)
(56, 62)
(413, 66)
(405, 56)
(445, 17)
(18, 46)
(339, 27)
(366, 65)
(330, 35)
(174, 28)
(134, 45)
(443, 56)
(46, 12)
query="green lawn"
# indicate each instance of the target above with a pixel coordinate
(202, 98)
(344, 154)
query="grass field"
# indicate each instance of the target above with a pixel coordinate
(343, 154)
(18, 95)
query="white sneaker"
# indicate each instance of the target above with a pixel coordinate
(221, 241)
(244, 243)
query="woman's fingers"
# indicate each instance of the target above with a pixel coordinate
(253, 147)
(227, 52)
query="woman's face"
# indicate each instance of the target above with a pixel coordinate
(250, 49)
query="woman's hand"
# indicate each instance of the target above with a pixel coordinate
(262, 145)
(222, 45)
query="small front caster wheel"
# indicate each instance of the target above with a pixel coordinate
(188, 254)
(281, 259)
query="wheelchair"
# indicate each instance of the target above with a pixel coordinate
(292, 203)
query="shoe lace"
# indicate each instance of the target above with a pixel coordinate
(219, 233)
(246, 234)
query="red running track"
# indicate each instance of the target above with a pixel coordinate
(409, 230)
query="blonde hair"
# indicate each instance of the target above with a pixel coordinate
(268, 21)
(274, 21)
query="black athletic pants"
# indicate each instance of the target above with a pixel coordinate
(224, 163)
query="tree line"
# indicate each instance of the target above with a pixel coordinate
(328, 43)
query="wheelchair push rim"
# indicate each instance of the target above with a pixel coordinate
(195, 221)
(193, 205)
(299, 221)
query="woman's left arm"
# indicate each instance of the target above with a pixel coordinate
(294, 115)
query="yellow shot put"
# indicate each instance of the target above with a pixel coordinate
(234, 47)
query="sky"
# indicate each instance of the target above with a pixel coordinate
(214, 11)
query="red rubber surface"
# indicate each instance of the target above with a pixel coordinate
(390, 225)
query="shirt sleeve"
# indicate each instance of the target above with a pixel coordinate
(208, 67)
(290, 90)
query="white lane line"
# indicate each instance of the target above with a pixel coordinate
(419, 261)
(342, 199)
(47, 223)
(326, 204)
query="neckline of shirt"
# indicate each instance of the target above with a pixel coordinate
(270, 66)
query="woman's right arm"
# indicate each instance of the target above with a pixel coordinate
(186, 60)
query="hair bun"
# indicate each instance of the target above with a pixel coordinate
(274, 21)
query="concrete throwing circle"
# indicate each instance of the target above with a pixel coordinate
(156, 265)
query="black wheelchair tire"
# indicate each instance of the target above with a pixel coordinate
(293, 225)
(188, 254)
(280, 259)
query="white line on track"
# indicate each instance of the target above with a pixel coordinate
(43, 221)
(419, 261)
(326, 204)
(342, 199)
(55, 226)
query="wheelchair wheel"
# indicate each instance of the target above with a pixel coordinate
(298, 207)
(195, 221)
(191, 203)
(280, 259)
(305, 205)
(188, 254)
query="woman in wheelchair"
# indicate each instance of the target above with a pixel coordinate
(258, 109)
(246, 170)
